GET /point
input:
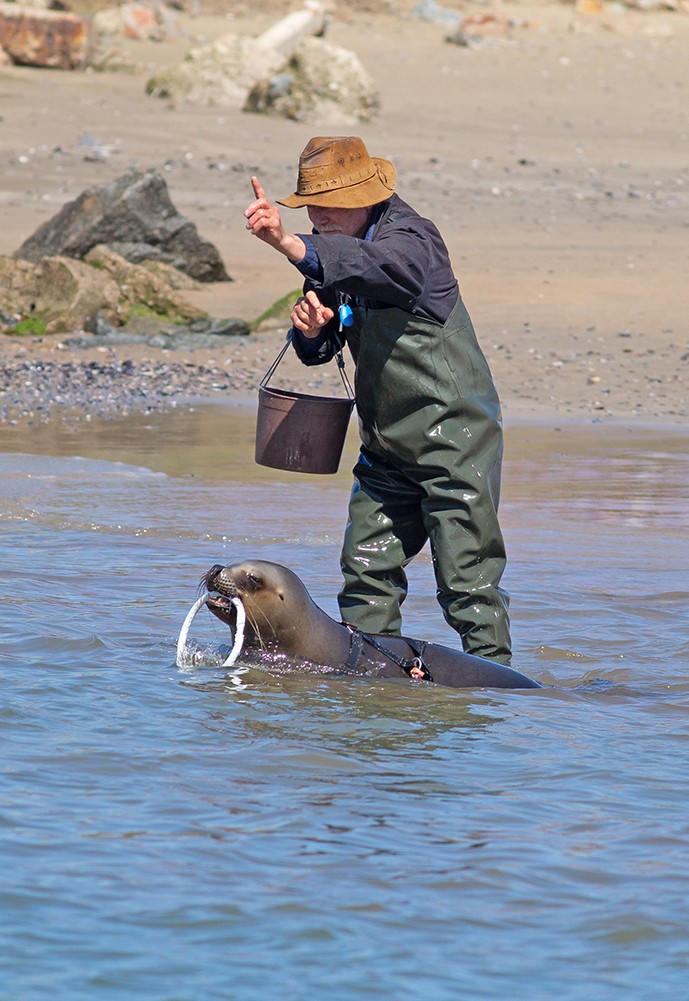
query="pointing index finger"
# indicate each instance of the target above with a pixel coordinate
(258, 190)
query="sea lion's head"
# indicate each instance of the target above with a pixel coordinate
(275, 601)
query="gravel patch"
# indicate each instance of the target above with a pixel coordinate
(34, 389)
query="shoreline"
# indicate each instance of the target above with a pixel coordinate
(40, 385)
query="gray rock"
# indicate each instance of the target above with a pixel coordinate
(140, 253)
(204, 332)
(219, 327)
(132, 213)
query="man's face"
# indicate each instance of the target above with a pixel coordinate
(347, 222)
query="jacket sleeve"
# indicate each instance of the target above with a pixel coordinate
(392, 269)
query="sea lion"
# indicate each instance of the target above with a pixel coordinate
(282, 618)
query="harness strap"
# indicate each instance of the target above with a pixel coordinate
(356, 645)
(414, 668)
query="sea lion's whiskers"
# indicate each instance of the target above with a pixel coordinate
(253, 619)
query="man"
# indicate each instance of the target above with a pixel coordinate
(378, 275)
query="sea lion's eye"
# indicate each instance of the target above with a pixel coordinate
(254, 580)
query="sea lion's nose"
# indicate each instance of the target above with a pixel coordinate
(214, 572)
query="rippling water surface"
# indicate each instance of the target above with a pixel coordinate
(175, 836)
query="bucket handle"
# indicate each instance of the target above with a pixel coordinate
(281, 354)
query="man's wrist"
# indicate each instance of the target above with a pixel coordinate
(293, 247)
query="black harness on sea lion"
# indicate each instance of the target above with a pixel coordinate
(414, 667)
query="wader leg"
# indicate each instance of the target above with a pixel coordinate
(384, 532)
(390, 518)
(469, 559)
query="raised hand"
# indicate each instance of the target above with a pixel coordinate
(264, 221)
(263, 218)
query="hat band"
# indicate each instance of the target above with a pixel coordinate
(307, 185)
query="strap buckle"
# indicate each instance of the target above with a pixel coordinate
(418, 670)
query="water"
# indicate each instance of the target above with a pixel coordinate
(174, 836)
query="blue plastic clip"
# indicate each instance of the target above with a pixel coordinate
(346, 315)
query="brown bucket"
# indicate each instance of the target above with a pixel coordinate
(302, 433)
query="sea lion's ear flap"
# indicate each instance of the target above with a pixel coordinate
(281, 595)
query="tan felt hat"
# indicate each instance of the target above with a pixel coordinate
(339, 173)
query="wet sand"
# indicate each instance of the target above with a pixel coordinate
(554, 156)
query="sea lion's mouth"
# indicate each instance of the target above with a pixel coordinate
(223, 606)
(221, 600)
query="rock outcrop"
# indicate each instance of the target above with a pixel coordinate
(321, 83)
(133, 215)
(61, 294)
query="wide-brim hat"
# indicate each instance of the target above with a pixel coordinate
(338, 172)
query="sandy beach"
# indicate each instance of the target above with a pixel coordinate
(553, 154)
